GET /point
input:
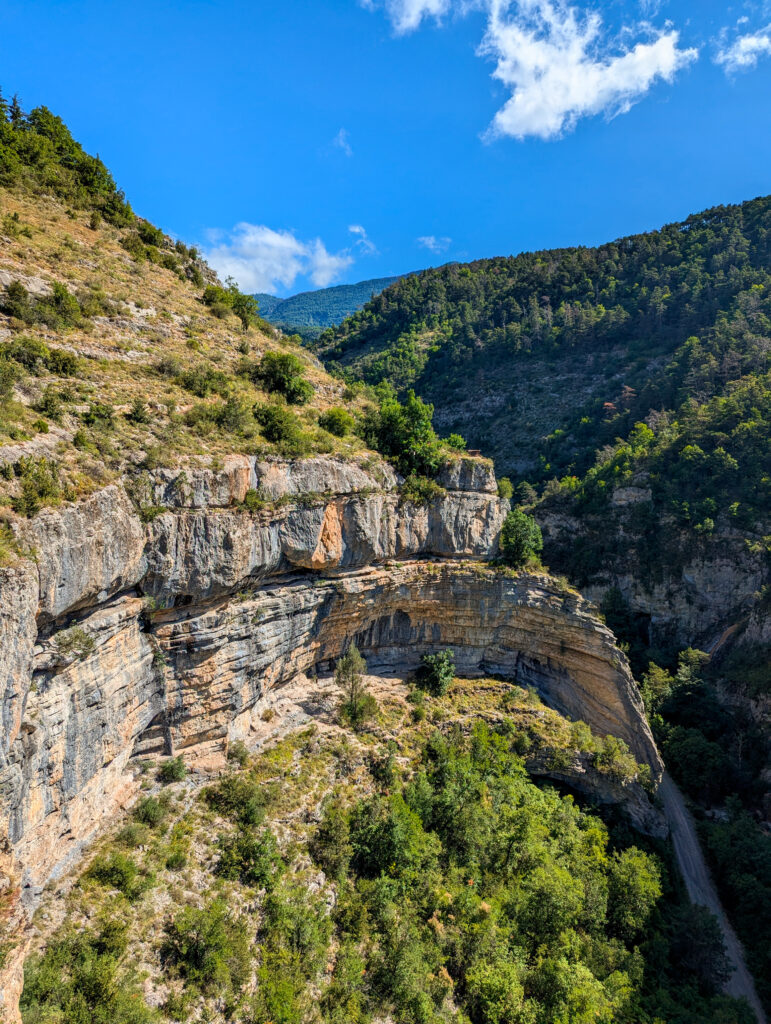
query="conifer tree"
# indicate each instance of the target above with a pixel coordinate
(16, 113)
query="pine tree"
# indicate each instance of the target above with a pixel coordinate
(16, 113)
(3, 108)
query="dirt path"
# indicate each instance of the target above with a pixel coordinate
(702, 891)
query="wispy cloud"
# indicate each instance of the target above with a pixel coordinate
(262, 259)
(342, 142)
(406, 15)
(744, 52)
(363, 242)
(558, 62)
(434, 244)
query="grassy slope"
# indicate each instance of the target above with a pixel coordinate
(149, 317)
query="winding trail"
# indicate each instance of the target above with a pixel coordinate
(701, 890)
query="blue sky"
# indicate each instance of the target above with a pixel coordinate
(307, 143)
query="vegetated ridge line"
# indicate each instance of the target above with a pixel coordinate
(701, 890)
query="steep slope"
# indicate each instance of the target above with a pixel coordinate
(512, 350)
(626, 388)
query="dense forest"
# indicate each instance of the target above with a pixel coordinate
(640, 324)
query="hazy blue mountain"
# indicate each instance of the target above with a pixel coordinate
(326, 307)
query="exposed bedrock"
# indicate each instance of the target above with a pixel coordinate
(81, 675)
(220, 658)
(121, 637)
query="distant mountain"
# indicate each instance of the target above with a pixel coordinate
(326, 307)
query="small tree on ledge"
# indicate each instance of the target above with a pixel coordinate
(521, 538)
(358, 705)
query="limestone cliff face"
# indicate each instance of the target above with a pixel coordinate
(689, 590)
(122, 637)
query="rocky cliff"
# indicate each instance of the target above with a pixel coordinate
(127, 632)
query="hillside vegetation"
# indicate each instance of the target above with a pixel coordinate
(409, 870)
(547, 355)
(121, 351)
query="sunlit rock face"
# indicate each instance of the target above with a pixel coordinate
(122, 637)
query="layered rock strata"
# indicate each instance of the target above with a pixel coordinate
(154, 617)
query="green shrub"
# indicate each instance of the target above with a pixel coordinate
(50, 403)
(149, 234)
(119, 871)
(30, 353)
(420, 490)
(284, 374)
(139, 413)
(101, 415)
(254, 501)
(132, 835)
(250, 858)
(238, 751)
(8, 377)
(456, 442)
(437, 672)
(280, 426)
(176, 859)
(63, 364)
(75, 640)
(209, 948)
(521, 538)
(505, 488)
(134, 246)
(615, 759)
(203, 380)
(151, 811)
(238, 797)
(40, 486)
(173, 770)
(337, 421)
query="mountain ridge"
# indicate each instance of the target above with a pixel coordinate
(322, 307)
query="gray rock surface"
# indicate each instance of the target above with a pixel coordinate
(120, 637)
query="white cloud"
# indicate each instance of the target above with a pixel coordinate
(341, 141)
(560, 68)
(406, 15)
(557, 61)
(365, 244)
(262, 260)
(434, 244)
(325, 267)
(745, 51)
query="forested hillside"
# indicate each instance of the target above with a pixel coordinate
(309, 312)
(544, 357)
